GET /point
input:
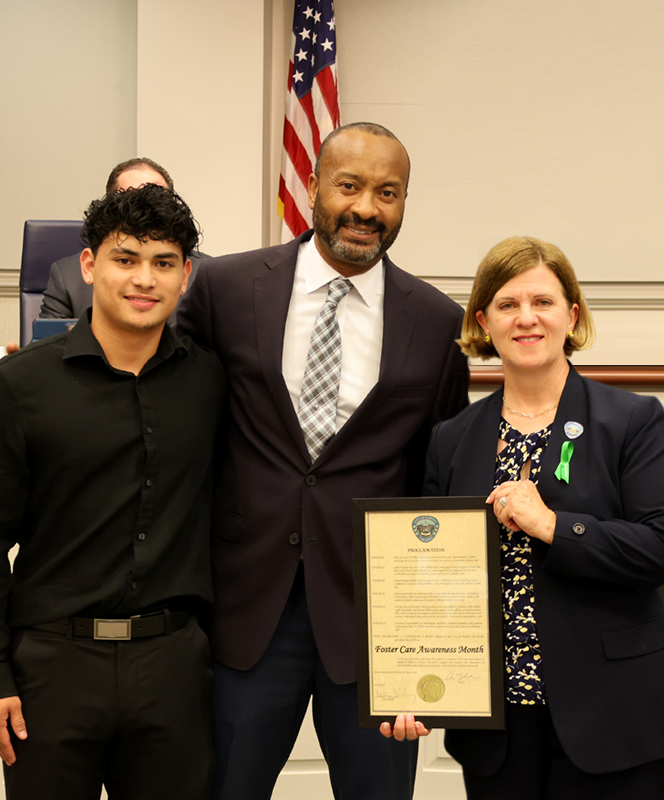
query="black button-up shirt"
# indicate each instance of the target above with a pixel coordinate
(105, 481)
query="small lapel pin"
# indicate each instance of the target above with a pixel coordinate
(573, 430)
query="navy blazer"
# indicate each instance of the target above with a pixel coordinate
(271, 504)
(599, 614)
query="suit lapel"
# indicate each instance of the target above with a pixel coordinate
(479, 447)
(573, 407)
(272, 294)
(399, 316)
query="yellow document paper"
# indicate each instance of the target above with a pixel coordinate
(428, 613)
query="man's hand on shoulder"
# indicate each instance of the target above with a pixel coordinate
(11, 712)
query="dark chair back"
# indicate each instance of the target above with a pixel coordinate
(44, 241)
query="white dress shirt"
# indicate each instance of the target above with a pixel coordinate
(360, 316)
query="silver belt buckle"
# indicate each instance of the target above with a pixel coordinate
(112, 629)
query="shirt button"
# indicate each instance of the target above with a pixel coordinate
(578, 528)
(148, 482)
(149, 430)
(294, 538)
(141, 536)
(134, 586)
(310, 480)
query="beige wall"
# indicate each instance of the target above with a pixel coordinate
(540, 118)
(200, 110)
(68, 111)
(520, 117)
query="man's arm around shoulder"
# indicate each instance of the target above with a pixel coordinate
(194, 315)
(452, 395)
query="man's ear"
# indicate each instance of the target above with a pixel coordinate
(87, 265)
(187, 275)
(312, 189)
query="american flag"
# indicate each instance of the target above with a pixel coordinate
(312, 108)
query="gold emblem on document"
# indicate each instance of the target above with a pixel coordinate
(430, 688)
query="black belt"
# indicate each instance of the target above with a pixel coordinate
(119, 629)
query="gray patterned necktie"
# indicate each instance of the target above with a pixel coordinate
(317, 410)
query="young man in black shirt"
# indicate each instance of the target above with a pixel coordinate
(106, 444)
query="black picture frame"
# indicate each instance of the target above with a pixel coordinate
(426, 506)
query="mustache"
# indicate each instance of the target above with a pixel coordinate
(357, 221)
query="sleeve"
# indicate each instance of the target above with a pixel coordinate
(194, 316)
(452, 396)
(57, 302)
(630, 550)
(431, 475)
(14, 493)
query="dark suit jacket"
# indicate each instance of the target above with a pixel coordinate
(67, 295)
(271, 504)
(600, 617)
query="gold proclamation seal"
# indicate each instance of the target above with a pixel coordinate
(430, 688)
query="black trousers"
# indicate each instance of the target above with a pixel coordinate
(258, 713)
(536, 768)
(131, 715)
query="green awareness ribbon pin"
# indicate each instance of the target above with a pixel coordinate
(566, 453)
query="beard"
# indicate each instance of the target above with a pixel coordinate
(327, 229)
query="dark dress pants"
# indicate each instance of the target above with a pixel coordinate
(258, 714)
(131, 715)
(536, 768)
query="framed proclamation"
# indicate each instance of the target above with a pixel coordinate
(429, 611)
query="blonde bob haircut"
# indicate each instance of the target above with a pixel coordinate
(505, 261)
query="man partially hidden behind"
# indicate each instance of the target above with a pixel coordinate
(105, 455)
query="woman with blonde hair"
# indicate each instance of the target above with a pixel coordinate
(575, 472)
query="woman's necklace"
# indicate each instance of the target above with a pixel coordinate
(529, 416)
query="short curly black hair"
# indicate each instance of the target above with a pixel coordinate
(149, 212)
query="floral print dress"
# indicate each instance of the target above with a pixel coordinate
(523, 660)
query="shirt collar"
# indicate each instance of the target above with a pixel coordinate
(317, 272)
(82, 342)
